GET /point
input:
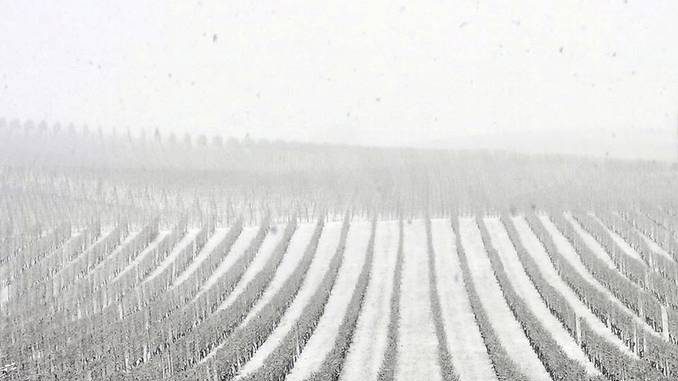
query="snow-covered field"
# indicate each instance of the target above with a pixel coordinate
(143, 253)
(258, 263)
(369, 341)
(188, 239)
(626, 248)
(508, 330)
(327, 246)
(526, 290)
(237, 250)
(325, 334)
(417, 342)
(265, 251)
(194, 255)
(651, 243)
(417, 354)
(464, 342)
(4, 294)
(295, 251)
(572, 257)
(538, 253)
(597, 249)
(212, 242)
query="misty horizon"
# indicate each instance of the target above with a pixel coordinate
(525, 77)
(647, 144)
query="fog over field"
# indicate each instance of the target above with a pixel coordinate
(596, 78)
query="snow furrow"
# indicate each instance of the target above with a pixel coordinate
(508, 330)
(185, 241)
(369, 340)
(261, 258)
(656, 248)
(4, 295)
(265, 251)
(417, 341)
(327, 246)
(626, 248)
(464, 342)
(590, 241)
(239, 248)
(527, 291)
(651, 244)
(218, 236)
(572, 257)
(124, 242)
(143, 253)
(70, 263)
(324, 336)
(295, 252)
(535, 249)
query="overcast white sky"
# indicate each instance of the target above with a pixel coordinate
(593, 77)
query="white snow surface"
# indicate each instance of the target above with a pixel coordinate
(188, 238)
(295, 252)
(324, 336)
(4, 295)
(369, 340)
(526, 290)
(506, 327)
(572, 257)
(327, 246)
(216, 238)
(258, 263)
(464, 342)
(143, 253)
(109, 256)
(626, 248)
(653, 246)
(597, 249)
(651, 243)
(237, 250)
(70, 262)
(417, 341)
(537, 251)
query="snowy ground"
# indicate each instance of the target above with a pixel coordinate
(295, 252)
(212, 242)
(653, 246)
(538, 253)
(572, 257)
(104, 264)
(418, 357)
(185, 241)
(69, 262)
(597, 249)
(464, 342)
(143, 253)
(651, 243)
(327, 246)
(508, 330)
(237, 250)
(369, 341)
(325, 334)
(626, 248)
(258, 263)
(4, 295)
(526, 290)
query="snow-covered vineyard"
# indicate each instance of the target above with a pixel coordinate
(530, 296)
(272, 261)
